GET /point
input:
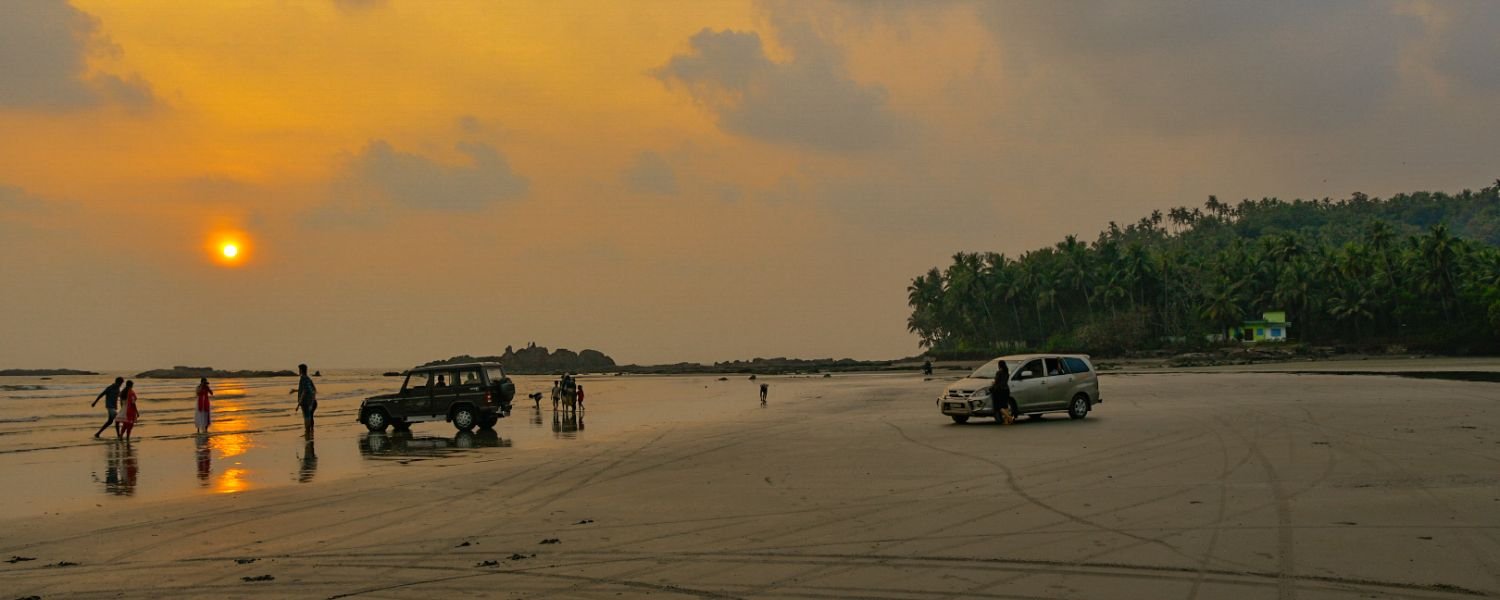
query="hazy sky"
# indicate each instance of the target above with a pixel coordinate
(662, 181)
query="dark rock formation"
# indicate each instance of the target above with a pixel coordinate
(537, 360)
(181, 372)
(41, 372)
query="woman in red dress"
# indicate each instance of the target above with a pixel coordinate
(201, 416)
(129, 414)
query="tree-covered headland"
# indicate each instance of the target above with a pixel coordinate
(1421, 270)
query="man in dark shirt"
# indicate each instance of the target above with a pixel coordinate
(111, 396)
(307, 398)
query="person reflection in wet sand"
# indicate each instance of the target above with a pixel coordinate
(309, 462)
(536, 416)
(120, 469)
(205, 456)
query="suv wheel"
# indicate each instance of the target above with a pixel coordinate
(960, 419)
(1079, 407)
(376, 420)
(464, 418)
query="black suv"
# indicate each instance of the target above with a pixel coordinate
(465, 394)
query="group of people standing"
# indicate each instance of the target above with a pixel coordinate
(567, 391)
(121, 402)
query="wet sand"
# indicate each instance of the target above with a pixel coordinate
(1196, 485)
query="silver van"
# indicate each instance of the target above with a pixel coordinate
(1039, 383)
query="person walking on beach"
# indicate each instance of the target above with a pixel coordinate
(556, 393)
(927, 368)
(307, 398)
(580, 397)
(128, 411)
(1000, 395)
(200, 416)
(111, 396)
(764, 388)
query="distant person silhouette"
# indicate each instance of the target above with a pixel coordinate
(927, 368)
(201, 416)
(556, 393)
(128, 411)
(307, 398)
(764, 388)
(111, 396)
(580, 397)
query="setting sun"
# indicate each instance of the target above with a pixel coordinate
(228, 248)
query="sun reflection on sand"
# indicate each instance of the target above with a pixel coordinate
(228, 441)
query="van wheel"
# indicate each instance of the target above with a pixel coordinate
(465, 419)
(376, 420)
(1079, 407)
(960, 419)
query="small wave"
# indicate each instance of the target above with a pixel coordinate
(10, 387)
(20, 420)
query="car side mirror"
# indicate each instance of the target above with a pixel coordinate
(1026, 374)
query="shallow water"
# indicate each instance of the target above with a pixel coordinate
(53, 464)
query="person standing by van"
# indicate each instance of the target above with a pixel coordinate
(111, 396)
(1000, 395)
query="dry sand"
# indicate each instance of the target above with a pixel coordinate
(1178, 486)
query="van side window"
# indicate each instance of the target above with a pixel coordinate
(1076, 365)
(1054, 367)
(470, 377)
(1034, 366)
(417, 381)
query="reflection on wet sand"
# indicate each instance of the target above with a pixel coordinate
(566, 424)
(309, 460)
(205, 456)
(120, 468)
(405, 446)
(536, 416)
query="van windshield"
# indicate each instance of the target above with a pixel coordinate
(987, 371)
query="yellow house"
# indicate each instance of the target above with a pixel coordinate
(1271, 327)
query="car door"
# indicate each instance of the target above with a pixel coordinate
(445, 391)
(416, 395)
(1028, 386)
(1059, 383)
(470, 386)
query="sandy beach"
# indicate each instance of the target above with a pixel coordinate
(1181, 485)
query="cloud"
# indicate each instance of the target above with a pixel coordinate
(809, 100)
(14, 200)
(352, 6)
(382, 176)
(1200, 64)
(1466, 47)
(44, 51)
(651, 174)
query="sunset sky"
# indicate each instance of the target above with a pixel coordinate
(662, 181)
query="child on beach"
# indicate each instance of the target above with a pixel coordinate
(128, 413)
(201, 417)
(580, 398)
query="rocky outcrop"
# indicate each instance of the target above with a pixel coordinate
(181, 372)
(42, 372)
(538, 360)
